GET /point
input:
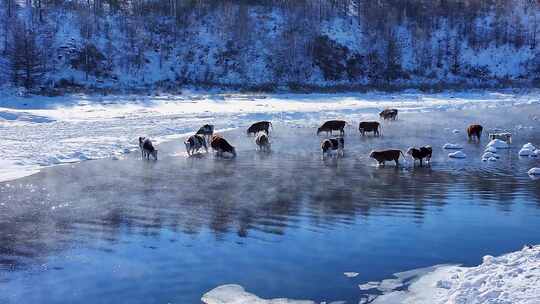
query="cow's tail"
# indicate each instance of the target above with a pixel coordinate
(402, 153)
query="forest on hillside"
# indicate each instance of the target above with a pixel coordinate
(53, 46)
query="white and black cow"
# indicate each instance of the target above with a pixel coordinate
(194, 143)
(147, 148)
(333, 144)
(262, 141)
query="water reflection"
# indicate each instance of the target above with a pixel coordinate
(271, 194)
(258, 198)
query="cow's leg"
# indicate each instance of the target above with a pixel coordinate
(397, 162)
(421, 162)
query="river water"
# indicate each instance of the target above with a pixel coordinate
(283, 224)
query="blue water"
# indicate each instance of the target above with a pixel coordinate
(287, 224)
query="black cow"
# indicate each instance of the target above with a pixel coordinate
(221, 145)
(261, 126)
(333, 125)
(206, 131)
(386, 155)
(420, 153)
(389, 114)
(147, 148)
(369, 126)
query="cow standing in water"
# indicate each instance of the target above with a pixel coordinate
(386, 155)
(333, 125)
(261, 126)
(333, 144)
(369, 126)
(221, 145)
(147, 148)
(474, 131)
(206, 132)
(389, 114)
(421, 153)
(263, 142)
(194, 143)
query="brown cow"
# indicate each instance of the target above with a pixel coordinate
(221, 145)
(261, 126)
(474, 131)
(333, 125)
(369, 126)
(389, 114)
(386, 155)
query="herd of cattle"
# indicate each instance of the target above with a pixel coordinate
(261, 131)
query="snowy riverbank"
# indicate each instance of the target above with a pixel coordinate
(510, 278)
(42, 131)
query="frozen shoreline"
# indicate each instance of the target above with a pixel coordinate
(510, 278)
(42, 131)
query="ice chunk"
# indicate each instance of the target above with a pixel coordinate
(529, 146)
(498, 144)
(351, 274)
(488, 155)
(450, 146)
(525, 152)
(235, 294)
(534, 171)
(369, 285)
(455, 131)
(457, 154)
(491, 149)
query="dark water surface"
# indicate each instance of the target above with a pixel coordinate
(285, 224)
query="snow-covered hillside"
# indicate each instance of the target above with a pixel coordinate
(268, 44)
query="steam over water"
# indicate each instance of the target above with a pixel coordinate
(283, 224)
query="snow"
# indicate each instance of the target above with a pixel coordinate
(457, 154)
(525, 152)
(491, 149)
(10, 170)
(235, 294)
(488, 155)
(530, 150)
(529, 146)
(45, 131)
(511, 278)
(449, 146)
(498, 144)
